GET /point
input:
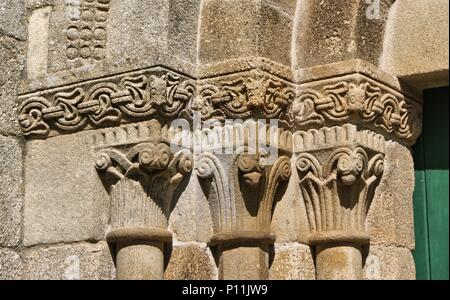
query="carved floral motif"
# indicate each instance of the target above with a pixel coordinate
(241, 194)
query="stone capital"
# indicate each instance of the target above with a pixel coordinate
(241, 186)
(339, 169)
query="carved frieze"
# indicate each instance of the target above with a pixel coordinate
(254, 94)
(110, 101)
(356, 98)
(339, 169)
(159, 93)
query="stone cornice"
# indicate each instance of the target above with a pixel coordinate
(352, 93)
(140, 95)
(357, 99)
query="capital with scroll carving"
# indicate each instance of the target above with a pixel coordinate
(141, 174)
(339, 169)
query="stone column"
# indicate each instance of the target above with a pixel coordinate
(141, 174)
(241, 189)
(339, 169)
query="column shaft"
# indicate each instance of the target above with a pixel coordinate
(144, 261)
(249, 262)
(336, 261)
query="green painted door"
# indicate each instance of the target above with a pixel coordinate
(431, 195)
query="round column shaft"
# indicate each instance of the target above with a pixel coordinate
(143, 261)
(338, 261)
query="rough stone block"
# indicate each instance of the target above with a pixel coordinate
(191, 262)
(389, 263)
(235, 29)
(229, 30)
(10, 265)
(65, 200)
(190, 219)
(183, 25)
(12, 19)
(12, 63)
(77, 261)
(292, 261)
(138, 31)
(275, 33)
(11, 191)
(390, 220)
(416, 42)
(336, 30)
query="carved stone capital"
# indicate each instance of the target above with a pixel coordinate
(241, 187)
(339, 169)
(141, 173)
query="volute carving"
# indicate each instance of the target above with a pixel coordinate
(242, 192)
(142, 174)
(339, 169)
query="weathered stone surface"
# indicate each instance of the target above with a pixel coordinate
(75, 261)
(141, 261)
(337, 261)
(389, 263)
(287, 6)
(416, 42)
(191, 261)
(228, 30)
(65, 200)
(130, 45)
(234, 29)
(182, 31)
(289, 220)
(13, 59)
(310, 64)
(292, 261)
(11, 191)
(190, 220)
(12, 19)
(335, 30)
(275, 33)
(243, 262)
(390, 220)
(10, 265)
(128, 40)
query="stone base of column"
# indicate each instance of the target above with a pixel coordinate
(338, 261)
